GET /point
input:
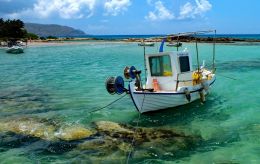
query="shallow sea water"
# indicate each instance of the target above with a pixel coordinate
(64, 83)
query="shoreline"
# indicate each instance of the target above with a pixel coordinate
(89, 41)
(83, 41)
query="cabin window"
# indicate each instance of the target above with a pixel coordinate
(160, 65)
(184, 63)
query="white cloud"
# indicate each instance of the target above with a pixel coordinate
(66, 9)
(114, 7)
(191, 11)
(186, 11)
(202, 6)
(160, 13)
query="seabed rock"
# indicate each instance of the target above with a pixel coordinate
(140, 134)
(44, 130)
(149, 142)
(107, 140)
(29, 127)
(113, 129)
(70, 133)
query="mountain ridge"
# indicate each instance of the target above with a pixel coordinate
(44, 30)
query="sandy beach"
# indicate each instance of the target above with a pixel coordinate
(73, 42)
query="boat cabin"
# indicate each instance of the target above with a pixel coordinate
(167, 71)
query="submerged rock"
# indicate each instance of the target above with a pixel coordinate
(152, 142)
(29, 127)
(112, 128)
(106, 143)
(45, 130)
(99, 143)
(140, 134)
(70, 133)
(108, 139)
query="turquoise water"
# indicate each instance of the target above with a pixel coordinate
(62, 84)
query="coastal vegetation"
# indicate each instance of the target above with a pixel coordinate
(32, 36)
(12, 29)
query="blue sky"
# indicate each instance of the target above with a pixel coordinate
(139, 16)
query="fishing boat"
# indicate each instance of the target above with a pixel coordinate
(15, 50)
(172, 44)
(147, 44)
(170, 79)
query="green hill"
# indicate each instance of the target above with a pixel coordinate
(52, 30)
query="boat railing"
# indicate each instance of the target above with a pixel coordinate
(178, 80)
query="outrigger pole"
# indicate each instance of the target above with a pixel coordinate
(183, 34)
(197, 53)
(214, 52)
(178, 43)
(190, 33)
(145, 69)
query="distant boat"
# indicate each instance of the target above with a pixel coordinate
(149, 44)
(171, 44)
(15, 50)
(170, 79)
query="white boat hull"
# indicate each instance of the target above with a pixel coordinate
(145, 101)
(15, 50)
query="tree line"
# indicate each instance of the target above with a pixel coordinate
(14, 30)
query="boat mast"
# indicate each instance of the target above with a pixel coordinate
(197, 52)
(145, 69)
(178, 43)
(214, 52)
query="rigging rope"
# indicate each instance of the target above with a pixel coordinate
(108, 104)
